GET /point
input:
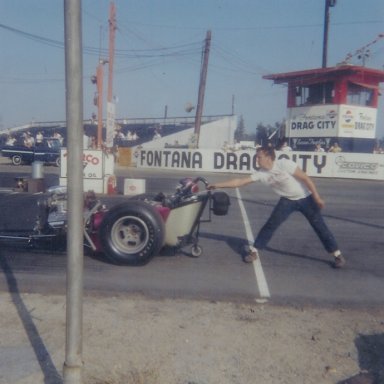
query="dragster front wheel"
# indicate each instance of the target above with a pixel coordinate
(196, 250)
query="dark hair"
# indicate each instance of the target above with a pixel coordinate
(268, 151)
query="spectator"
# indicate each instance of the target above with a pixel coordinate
(285, 147)
(129, 136)
(157, 135)
(85, 140)
(39, 138)
(57, 135)
(120, 134)
(319, 148)
(92, 142)
(225, 147)
(236, 146)
(335, 148)
(10, 140)
(29, 140)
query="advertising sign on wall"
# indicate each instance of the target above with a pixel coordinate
(332, 121)
(98, 170)
(318, 164)
(313, 121)
(92, 164)
(358, 122)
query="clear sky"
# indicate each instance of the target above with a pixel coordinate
(158, 54)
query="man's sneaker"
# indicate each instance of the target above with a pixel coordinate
(339, 261)
(251, 256)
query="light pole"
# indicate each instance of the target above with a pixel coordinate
(73, 365)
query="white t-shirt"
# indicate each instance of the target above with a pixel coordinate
(280, 179)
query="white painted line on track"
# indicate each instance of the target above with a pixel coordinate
(259, 273)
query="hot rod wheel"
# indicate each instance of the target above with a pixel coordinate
(132, 233)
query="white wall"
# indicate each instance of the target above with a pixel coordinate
(212, 135)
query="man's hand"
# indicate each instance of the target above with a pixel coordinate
(319, 201)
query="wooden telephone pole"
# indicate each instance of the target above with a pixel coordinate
(111, 110)
(203, 80)
(99, 84)
(100, 75)
(112, 30)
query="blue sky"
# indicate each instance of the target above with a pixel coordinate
(158, 54)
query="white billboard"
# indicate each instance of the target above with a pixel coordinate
(92, 164)
(356, 121)
(331, 121)
(312, 121)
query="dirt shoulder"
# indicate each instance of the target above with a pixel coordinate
(137, 340)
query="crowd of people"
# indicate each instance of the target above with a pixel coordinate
(27, 139)
(131, 137)
(283, 146)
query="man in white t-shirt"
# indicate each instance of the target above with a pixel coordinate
(297, 193)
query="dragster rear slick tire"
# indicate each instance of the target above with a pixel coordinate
(132, 233)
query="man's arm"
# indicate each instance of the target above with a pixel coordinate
(300, 175)
(232, 183)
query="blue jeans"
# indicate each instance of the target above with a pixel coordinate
(309, 209)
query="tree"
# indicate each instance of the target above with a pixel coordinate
(261, 134)
(240, 130)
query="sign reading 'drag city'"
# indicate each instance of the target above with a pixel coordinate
(319, 164)
(332, 121)
(314, 121)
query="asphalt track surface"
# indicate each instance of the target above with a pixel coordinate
(293, 269)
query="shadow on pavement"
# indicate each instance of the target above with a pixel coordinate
(51, 375)
(371, 360)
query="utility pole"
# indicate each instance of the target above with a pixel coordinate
(99, 84)
(112, 29)
(111, 109)
(203, 80)
(328, 4)
(73, 365)
(99, 78)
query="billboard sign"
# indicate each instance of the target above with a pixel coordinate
(312, 121)
(357, 121)
(92, 164)
(332, 121)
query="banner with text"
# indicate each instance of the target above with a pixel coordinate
(332, 121)
(344, 165)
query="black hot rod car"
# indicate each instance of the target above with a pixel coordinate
(134, 231)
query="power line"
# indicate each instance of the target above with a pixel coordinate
(183, 49)
(259, 27)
